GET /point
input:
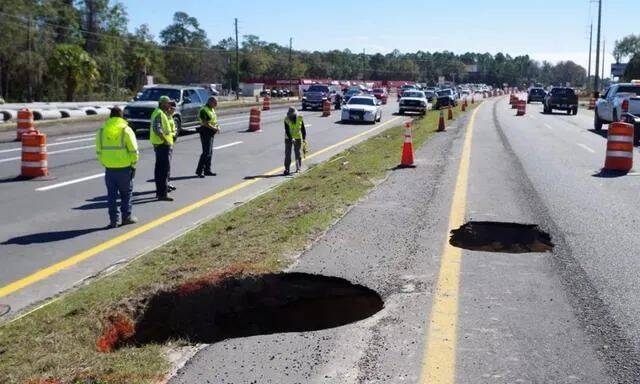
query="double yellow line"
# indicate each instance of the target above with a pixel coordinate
(93, 251)
(439, 363)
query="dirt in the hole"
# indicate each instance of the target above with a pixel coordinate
(240, 306)
(501, 237)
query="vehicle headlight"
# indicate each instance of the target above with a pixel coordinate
(423, 103)
(368, 113)
(304, 97)
(324, 98)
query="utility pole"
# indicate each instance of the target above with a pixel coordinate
(290, 64)
(590, 44)
(603, 50)
(29, 70)
(363, 64)
(237, 62)
(596, 83)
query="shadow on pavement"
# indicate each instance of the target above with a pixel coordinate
(263, 176)
(609, 174)
(602, 132)
(104, 204)
(104, 197)
(49, 237)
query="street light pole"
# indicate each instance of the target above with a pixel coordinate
(596, 83)
(590, 45)
(237, 63)
(290, 64)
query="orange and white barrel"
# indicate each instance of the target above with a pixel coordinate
(522, 108)
(326, 108)
(266, 103)
(254, 120)
(34, 155)
(25, 123)
(619, 147)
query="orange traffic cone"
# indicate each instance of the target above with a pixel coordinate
(407, 148)
(441, 126)
(463, 107)
(450, 114)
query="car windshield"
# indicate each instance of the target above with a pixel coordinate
(413, 94)
(445, 92)
(361, 101)
(318, 88)
(630, 89)
(153, 94)
(537, 91)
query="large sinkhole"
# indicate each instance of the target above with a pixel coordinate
(491, 236)
(253, 305)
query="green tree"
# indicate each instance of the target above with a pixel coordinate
(633, 68)
(77, 69)
(627, 47)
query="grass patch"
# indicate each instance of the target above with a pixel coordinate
(59, 341)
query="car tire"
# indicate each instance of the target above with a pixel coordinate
(304, 107)
(380, 117)
(401, 112)
(569, 111)
(575, 111)
(528, 101)
(597, 122)
(178, 123)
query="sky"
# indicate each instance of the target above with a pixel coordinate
(552, 30)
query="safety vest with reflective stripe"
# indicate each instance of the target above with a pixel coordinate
(295, 127)
(116, 144)
(165, 126)
(211, 114)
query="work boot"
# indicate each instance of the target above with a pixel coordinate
(209, 173)
(286, 172)
(165, 198)
(129, 220)
(200, 175)
(112, 224)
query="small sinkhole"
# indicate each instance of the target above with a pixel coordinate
(491, 236)
(240, 306)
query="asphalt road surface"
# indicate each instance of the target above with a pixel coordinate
(455, 315)
(53, 234)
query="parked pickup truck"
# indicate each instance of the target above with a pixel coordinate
(617, 100)
(562, 98)
(635, 120)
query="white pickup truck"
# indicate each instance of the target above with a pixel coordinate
(618, 100)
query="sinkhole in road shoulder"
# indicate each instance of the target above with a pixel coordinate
(207, 311)
(489, 236)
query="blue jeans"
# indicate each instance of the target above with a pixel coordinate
(119, 182)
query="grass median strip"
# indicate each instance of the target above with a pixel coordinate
(58, 342)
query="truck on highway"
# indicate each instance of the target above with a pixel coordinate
(189, 99)
(562, 98)
(316, 95)
(615, 102)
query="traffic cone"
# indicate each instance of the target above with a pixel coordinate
(472, 100)
(463, 107)
(407, 148)
(441, 126)
(450, 114)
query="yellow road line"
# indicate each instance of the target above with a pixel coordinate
(439, 363)
(84, 255)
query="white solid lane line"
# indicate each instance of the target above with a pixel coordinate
(53, 186)
(86, 178)
(586, 148)
(75, 137)
(50, 145)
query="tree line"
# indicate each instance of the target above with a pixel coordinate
(83, 49)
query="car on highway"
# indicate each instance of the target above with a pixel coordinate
(353, 91)
(381, 94)
(615, 102)
(445, 98)
(189, 99)
(362, 108)
(316, 95)
(562, 98)
(536, 94)
(413, 101)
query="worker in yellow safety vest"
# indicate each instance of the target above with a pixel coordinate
(174, 132)
(161, 136)
(295, 136)
(207, 130)
(117, 151)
